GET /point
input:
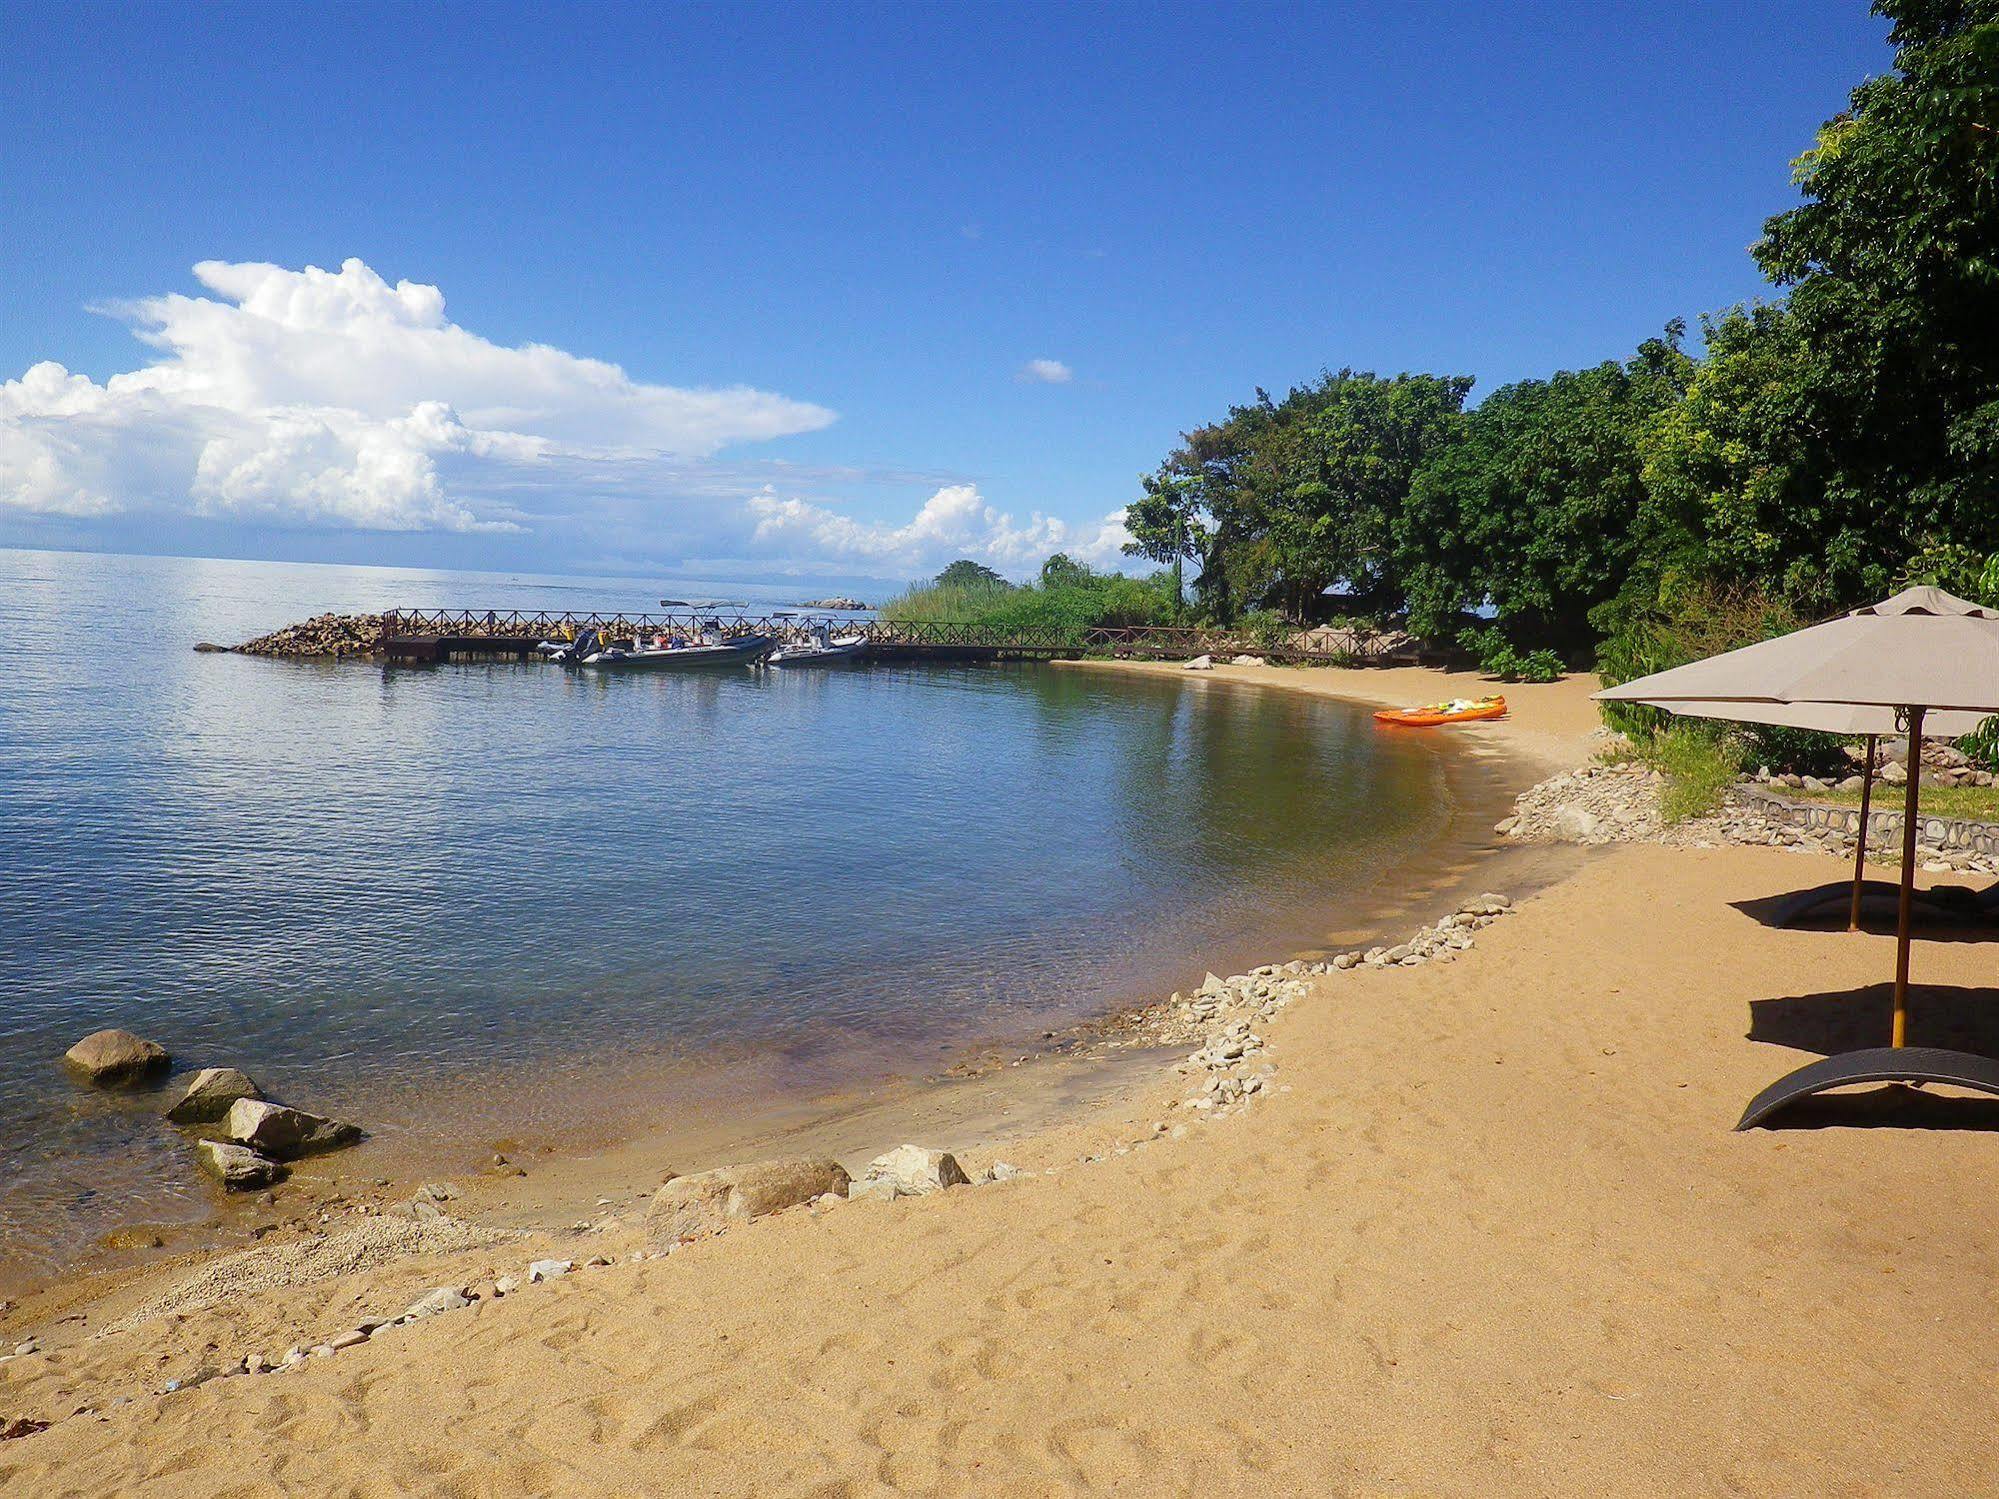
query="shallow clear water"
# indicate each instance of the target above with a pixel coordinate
(369, 885)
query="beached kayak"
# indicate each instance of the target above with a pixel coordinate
(1459, 710)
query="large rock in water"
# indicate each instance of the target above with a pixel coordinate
(283, 1132)
(689, 1206)
(210, 1093)
(116, 1059)
(911, 1171)
(237, 1167)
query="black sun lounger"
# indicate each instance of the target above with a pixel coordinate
(1877, 1064)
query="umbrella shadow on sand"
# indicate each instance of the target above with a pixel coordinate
(1836, 1022)
(1951, 915)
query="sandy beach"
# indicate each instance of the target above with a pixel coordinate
(1486, 1231)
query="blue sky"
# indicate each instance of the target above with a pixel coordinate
(870, 218)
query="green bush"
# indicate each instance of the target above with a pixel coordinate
(1690, 623)
(1982, 744)
(1499, 657)
(1699, 764)
(1799, 750)
(1266, 628)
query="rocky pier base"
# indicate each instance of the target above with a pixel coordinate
(324, 635)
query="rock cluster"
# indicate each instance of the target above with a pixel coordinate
(323, 635)
(209, 1094)
(1739, 822)
(1619, 803)
(256, 1136)
(1944, 764)
(285, 1134)
(909, 1171)
(237, 1167)
(1592, 804)
(440, 1301)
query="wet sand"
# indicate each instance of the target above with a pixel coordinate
(1489, 1232)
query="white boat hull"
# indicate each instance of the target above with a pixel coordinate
(839, 653)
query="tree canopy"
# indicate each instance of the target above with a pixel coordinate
(965, 573)
(1281, 500)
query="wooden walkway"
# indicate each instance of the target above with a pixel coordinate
(442, 635)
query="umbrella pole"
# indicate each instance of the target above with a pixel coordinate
(1860, 842)
(1901, 1035)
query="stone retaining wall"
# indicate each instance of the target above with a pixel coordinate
(1884, 827)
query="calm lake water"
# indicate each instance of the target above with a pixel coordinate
(373, 886)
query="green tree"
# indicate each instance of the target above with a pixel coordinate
(1534, 509)
(1892, 265)
(965, 573)
(1737, 478)
(1064, 571)
(1282, 500)
(1166, 526)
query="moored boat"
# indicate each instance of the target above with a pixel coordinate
(672, 653)
(820, 649)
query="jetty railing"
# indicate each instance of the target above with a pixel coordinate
(467, 628)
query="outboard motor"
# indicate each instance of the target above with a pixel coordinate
(586, 644)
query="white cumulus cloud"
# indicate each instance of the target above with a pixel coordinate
(955, 522)
(334, 398)
(1046, 372)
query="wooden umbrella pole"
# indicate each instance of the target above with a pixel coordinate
(1860, 842)
(1909, 804)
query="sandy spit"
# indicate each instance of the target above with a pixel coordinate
(1489, 1233)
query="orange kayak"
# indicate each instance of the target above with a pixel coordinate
(1436, 713)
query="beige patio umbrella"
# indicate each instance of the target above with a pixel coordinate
(1922, 662)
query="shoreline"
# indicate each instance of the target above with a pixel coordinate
(550, 1171)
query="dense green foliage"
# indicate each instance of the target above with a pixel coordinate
(1693, 621)
(1069, 597)
(967, 574)
(1499, 657)
(1530, 506)
(1815, 452)
(1281, 500)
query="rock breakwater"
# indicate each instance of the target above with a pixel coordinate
(330, 635)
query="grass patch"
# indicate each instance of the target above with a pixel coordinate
(1979, 803)
(1699, 767)
(1068, 599)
